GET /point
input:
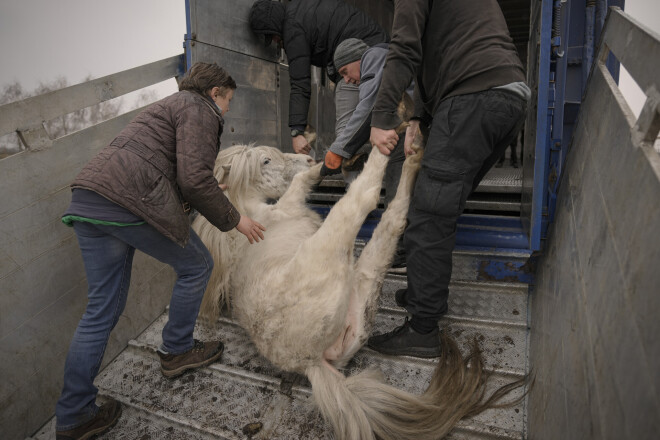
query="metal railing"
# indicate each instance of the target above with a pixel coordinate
(42, 279)
(27, 117)
(638, 49)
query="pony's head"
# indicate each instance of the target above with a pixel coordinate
(266, 171)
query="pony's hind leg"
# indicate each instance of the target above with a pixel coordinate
(374, 261)
(331, 248)
(379, 251)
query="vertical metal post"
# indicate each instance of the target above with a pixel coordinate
(543, 116)
(188, 37)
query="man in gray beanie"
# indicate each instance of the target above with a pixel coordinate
(363, 66)
(310, 31)
(348, 61)
(348, 51)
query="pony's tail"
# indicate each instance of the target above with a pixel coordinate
(216, 296)
(362, 407)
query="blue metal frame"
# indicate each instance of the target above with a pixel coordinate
(573, 29)
(546, 100)
(569, 33)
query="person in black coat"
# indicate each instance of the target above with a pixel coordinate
(310, 31)
(471, 102)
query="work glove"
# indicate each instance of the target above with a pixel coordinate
(331, 164)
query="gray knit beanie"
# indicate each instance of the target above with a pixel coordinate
(349, 50)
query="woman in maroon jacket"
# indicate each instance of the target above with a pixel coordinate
(136, 194)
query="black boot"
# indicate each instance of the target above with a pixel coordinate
(405, 341)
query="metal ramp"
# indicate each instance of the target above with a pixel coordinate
(498, 193)
(245, 397)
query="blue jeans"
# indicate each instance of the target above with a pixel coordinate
(107, 252)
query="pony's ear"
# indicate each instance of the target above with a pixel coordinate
(223, 172)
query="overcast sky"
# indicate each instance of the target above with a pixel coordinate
(43, 39)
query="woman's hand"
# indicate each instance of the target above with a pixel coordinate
(411, 133)
(384, 140)
(251, 229)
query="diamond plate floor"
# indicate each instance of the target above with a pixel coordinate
(502, 180)
(244, 396)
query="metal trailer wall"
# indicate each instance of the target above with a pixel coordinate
(594, 338)
(43, 289)
(218, 31)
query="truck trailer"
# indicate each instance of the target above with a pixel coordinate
(555, 270)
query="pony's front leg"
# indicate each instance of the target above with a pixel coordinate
(300, 187)
(374, 261)
(347, 216)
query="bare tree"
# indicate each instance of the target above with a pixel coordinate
(83, 118)
(66, 124)
(10, 144)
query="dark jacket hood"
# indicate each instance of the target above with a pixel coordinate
(267, 17)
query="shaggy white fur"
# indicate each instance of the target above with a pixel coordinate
(303, 275)
(307, 304)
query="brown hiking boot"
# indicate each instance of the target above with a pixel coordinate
(105, 419)
(201, 355)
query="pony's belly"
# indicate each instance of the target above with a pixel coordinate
(293, 334)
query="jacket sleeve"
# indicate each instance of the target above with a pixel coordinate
(197, 132)
(403, 60)
(420, 112)
(297, 52)
(356, 132)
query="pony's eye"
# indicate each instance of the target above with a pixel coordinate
(266, 161)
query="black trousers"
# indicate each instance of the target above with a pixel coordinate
(468, 135)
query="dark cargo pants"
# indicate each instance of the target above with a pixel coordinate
(468, 135)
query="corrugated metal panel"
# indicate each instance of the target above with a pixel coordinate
(245, 389)
(599, 276)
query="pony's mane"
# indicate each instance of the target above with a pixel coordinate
(239, 167)
(236, 167)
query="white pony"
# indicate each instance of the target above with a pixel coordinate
(308, 305)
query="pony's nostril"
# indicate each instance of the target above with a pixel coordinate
(311, 161)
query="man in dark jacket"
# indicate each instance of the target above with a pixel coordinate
(470, 87)
(136, 194)
(310, 31)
